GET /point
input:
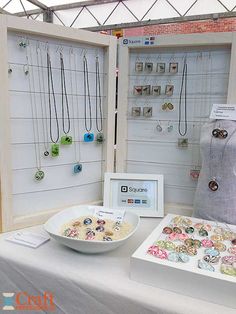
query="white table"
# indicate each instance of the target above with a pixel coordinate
(91, 284)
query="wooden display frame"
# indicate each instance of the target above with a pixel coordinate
(128, 45)
(14, 24)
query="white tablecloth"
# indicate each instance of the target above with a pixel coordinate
(91, 284)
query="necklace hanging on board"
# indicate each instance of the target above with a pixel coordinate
(29, 72)
(183, 89)
(52, 108)
(99, 117)
(43, 100)
(77, 167)
(65, 139)
(88, 137)
(196, 167)
(214, 181)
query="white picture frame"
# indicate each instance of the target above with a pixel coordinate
(145, 196)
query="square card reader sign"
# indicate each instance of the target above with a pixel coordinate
(141, 193)
(134, 194)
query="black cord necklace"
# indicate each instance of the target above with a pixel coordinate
(100, 136)
(183, 86)
(65, 140)
(55, 146)
(88, 137)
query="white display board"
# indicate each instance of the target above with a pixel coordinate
(32, 201)
(150, 144)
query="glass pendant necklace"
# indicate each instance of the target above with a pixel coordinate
(77, 168)
(55, 145)
(88, 137)
(39, 175)
(200, 66)
(214, 183)
(65, 139)
(43, 100)
(100, 136)
(183, 86)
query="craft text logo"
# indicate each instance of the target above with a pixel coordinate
(23, 301)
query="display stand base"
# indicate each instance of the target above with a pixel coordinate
(181, 278)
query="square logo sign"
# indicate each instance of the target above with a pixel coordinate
(124, 188)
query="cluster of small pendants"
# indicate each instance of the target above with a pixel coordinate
(89, 137)
(180, 244)
(73, 232)
(67, 140)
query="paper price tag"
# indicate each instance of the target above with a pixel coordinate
(223, 112)
(116, 215)
(30, 239)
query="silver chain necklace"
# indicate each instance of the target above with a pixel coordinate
(39, 175)
(43, 100)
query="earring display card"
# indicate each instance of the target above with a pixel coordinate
(137, 90)
(136, 111)
(169, 90)
(146, 90)
(147, 112)
(161, 67)
(156, 90)
(139, 66)
(167, 261)
(173, 67)
(148, 66)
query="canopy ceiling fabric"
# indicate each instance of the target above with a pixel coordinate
(92, 13)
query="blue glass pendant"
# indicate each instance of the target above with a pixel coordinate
(77, 168)
(88, 137)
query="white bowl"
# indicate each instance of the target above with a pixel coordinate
(54, 224)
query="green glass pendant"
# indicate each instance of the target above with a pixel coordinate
(100, 138)
(189, 230)
(55, 150)
(203, 232)
(66, 140)
(39, 175)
